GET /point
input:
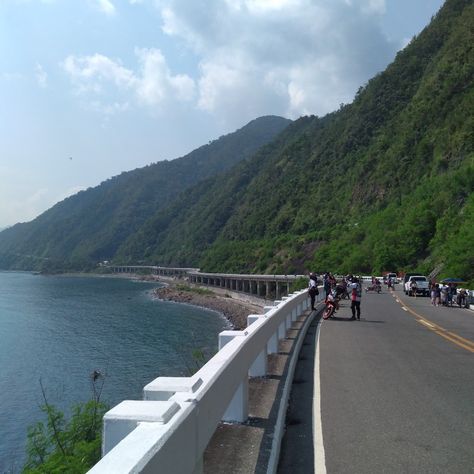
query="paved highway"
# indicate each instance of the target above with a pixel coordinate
(396, 391)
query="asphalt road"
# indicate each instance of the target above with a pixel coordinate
(397, 390)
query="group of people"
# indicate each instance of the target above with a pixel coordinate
(349, 286)
(447, 295)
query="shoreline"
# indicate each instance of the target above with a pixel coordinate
(235, 311)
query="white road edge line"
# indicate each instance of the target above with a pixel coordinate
(319, 455)
(282, 409)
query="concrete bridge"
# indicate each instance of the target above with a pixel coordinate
(262, 286)
(152, 269)
(169, 430)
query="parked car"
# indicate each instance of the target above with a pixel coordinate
(422, 285)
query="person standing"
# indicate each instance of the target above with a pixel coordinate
(435, 294)
(356, 295)
(327, 284)
(313, 288)
(444, 294)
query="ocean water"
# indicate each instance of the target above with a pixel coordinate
(60, 329)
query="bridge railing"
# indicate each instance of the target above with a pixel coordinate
(169, 430)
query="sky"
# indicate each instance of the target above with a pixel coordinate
(92, 88)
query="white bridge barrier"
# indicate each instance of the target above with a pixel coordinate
(169, 430)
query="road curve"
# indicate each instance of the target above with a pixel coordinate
(397, 391)
(395, 396)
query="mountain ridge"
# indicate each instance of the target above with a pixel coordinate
(89, 226)
(383, 158)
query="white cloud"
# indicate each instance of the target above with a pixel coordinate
(254, 57)
(155, 82)
(152, 85)
(41, 76)
(89, 70)
(106, 6)
(289, 57)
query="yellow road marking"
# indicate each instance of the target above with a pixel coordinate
(448, 335)
(426, 324)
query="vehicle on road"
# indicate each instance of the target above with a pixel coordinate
(377, 287)
(332, 304)
(388, 276)
(422, 285)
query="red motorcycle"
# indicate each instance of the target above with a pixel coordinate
(332, 304)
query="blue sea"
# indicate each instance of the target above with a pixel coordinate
(60, 329)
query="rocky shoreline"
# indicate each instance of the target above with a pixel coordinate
(234, 310)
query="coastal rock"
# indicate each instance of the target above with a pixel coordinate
(234, 310)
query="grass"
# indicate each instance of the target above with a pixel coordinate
(190, 289)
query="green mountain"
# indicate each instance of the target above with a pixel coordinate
(89, 226)
(385, 183)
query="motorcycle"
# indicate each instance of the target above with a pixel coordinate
(332, 304)
(375, 287)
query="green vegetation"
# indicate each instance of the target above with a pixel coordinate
(299, 284)
(196, 290)
(72, 446)
(385, 183)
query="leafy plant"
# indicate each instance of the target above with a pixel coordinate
(73, 446)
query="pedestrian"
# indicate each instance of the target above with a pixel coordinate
(356, 295)
(452, 294)
(462, 298)
(444, 295)
(313, 288)
(327, 284)
(435, 294)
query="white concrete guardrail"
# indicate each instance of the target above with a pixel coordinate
(170, 428)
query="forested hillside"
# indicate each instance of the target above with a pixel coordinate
(89, 226)
(385, 183)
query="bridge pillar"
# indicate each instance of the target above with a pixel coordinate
(277, 290)
(293, 314)
(267, 289)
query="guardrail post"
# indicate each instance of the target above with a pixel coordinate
(163, 388)
(122, 419)
(273, 341)
(238, 409)
(259, 367)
